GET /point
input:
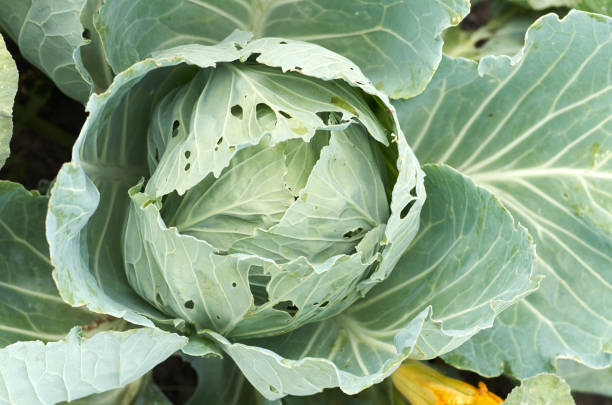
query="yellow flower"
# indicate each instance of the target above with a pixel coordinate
(422, 385)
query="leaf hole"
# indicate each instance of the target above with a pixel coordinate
(234, 284)
(218, 317)
(237, 111)
(324, 304)
(480, 43)
(274, 390)
(353, 233)
(86, 34)
(288, 307)
(175, 128)
(187, 154)
(285, 114)
(324, 116)
(283, 42)
(253, 58)
(238, 47)
(266, 117)
(189, 304)
(219, 141)
(187, 166)
(407, 208)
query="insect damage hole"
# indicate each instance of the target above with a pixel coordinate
(285, 114)
(175, 128)
(187, 167)
(265, 116)
(189, 304)
(237, 111)
(353, 233)
(288, 307)
(408, 206)
(187, 154)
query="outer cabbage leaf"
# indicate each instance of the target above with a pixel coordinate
(415, 313)
(543, 389)
(143, 391)
(34, 373)
(535, 130)
(585, 379)
(49, 34)
(30, 307)
(597, 6)
(8, 89)
(396, 43)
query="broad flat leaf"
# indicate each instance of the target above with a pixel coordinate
(504, 34)
(396, 43)
(143, 391)
(30, 307)
(49, 33)
(535, 131)
(597, 6)
(543, 389)
(585, 379)
(486, 261)
(8, 89)
(34, 373)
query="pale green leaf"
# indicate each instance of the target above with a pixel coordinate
(49, 33)
(343, 200)
(585, 379)
(535, 131)
(543, 389)
(597, 6)
(414, 313)
(35, 373)
(396, 43)
(30, 307)
(8, 89)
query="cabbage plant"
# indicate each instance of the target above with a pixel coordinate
(297, 197)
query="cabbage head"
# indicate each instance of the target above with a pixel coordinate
(239, 194)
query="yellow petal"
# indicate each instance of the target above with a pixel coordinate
(422, 385)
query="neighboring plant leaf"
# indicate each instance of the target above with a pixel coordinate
(220, 382)
(543, 389)
(396, 43)
(535, 131)
(414, 313)
(143, 391)
(34, 373)
(585, 379)
(8, 89)
(504, 34)
(49, 33)
(597, 6)
(30, 306)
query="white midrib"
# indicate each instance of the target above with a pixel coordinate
(510, 175)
